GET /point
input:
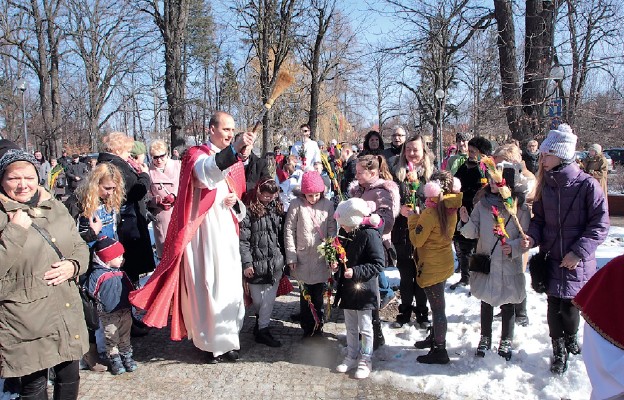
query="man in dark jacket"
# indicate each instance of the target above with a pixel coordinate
(470, 176)
(256, 168)
(530, 156)
(398, 138)
(75, 172)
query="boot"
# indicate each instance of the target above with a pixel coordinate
(378, 337)
(422, 316)
(66, 391)
(264, 336)
(559, 363)
(117, 367)
(426, 343)
(462, 282)
(571, 344)
(129, 364)
(485, 344)
(437, 355)
(403, 317)
(504, 349)
(92, 359)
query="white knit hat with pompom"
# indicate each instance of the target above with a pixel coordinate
(354, 212)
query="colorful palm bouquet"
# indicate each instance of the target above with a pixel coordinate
(332, 176)
(334, 253)
(499, 225)
(413, 183)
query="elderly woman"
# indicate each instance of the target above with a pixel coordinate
(165, 175)
(595, 164)
(132, 230)
(42, 318)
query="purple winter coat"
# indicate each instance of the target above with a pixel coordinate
(584, 228)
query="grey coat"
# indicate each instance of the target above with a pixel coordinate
(505, 284)
(41, 326)
(302, 238)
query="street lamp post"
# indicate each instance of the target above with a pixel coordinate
(21, 85)
(439, 95)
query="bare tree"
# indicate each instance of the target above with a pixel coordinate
(171, 18)
(269, 26)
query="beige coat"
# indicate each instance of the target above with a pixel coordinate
(301, 238)
(40, 325)
(597, 167)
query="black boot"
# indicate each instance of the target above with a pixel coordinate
(437, 355)
(422, 316)
(255, 329)
(504, 349)
(66, 391)
(426, 343)
(485, 344)
(403, 317)
(560, 357)
(378, 337)
(264, 336)
(571, 344)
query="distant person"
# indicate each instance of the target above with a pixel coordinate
(44, 169)
(348, 161)
(461, 153)
(531, 156)
(75, 173)
(175, 154)
(595, 164)
(64, 159)
(306, 149)
(398, 138)
(450, 152)
(373, 144)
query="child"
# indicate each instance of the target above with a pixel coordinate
(358, 290)
(111, 287)
(310, 219)
(504, 286)
(431, 233)
(262, 249)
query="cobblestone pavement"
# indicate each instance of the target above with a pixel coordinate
(300, 369)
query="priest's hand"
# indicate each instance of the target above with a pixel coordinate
(247, 139)
(230, 200)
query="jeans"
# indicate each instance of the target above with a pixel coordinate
(385, 291)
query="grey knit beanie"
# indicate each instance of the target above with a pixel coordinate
(560, 142)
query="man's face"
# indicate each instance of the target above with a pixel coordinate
(398, 137)
(532, 147)
(305, 132)
(462, 147)
(473, 153)
(221, 134)
(38, 155)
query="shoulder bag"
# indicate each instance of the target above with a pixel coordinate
(481, 262)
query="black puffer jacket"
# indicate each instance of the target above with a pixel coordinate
(261, 245)
(365, 254)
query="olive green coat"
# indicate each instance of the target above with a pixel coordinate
(40, 325)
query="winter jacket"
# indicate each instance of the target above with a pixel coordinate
(348, 175)
(531, 161)
(110, 286)
(132, 230)
(385, 195)
(391, 152)
(302, 238)
(73, 171)
(434, 253)
(42, 325)
(581, 231)
(261, 245)
(505, 284)
(43, 169)
(366, 256)
(597, 167)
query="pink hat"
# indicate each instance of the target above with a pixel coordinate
(312, 183)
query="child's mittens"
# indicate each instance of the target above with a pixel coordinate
(374, 220)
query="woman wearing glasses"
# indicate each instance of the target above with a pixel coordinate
(165, 175)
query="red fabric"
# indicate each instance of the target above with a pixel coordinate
(602, 304)
(284, 286)
(160, 296)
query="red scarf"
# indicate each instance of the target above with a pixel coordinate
(160, 296)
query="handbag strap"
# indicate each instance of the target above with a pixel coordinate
(48, 239)
(498, 238)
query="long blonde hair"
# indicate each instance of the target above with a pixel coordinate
(88, 191)
(540, 180)
(400, 167)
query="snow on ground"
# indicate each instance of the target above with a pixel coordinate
(526, 376)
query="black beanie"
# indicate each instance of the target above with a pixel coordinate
(482, 144)
(6, 145)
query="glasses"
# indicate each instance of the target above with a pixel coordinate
(160, 157)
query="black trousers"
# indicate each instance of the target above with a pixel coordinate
(34, 386)
(464, 249)
(307, 318)
(563, 317)
(408, 286)
(508, 316)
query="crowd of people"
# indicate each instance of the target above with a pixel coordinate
(232, 230)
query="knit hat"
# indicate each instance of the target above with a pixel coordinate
(560, 142)
(334, 142)
(138, 148)
(482, 144)
(355, 212)
(107, 249)
(596, 147)
(6, 145)
(75, 155)
(312, 183)
(462, 136)
(11, 155)
(320, 143)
